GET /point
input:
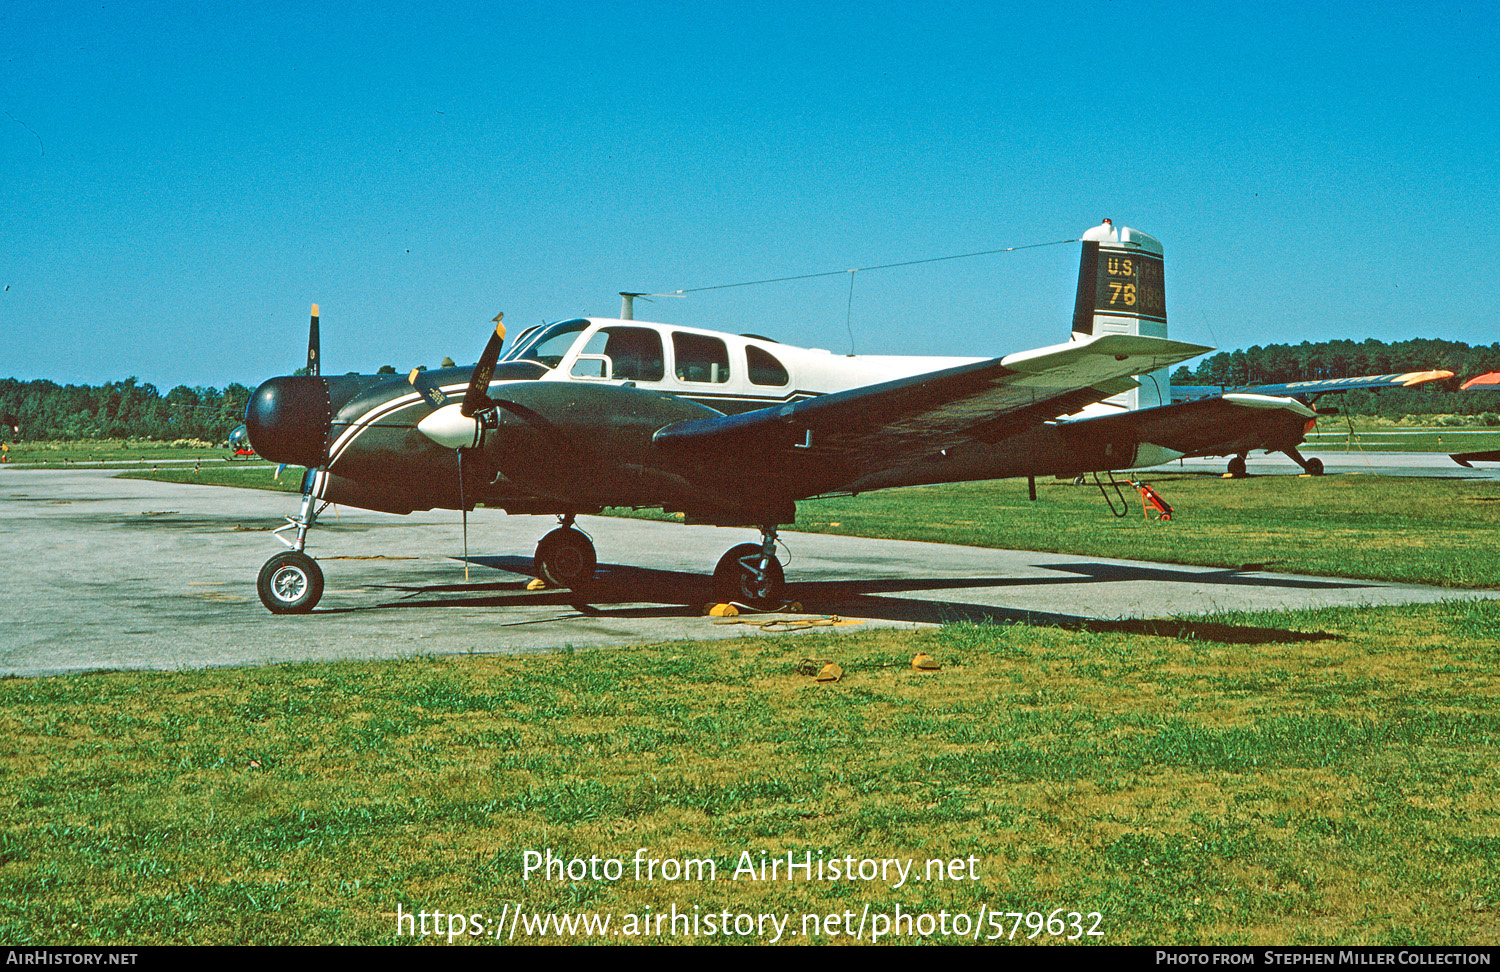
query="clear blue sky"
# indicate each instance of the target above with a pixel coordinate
(181, 180)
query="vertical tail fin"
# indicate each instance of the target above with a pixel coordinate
(1121, 290)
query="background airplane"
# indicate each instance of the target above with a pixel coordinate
(1485, 382)
(1285, 436)
(727, 429)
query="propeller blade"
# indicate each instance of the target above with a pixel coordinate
(455, 426)
(477, 396)
(312, 344)
(427, 388)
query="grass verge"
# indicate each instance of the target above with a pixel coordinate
(1313, 777)
(246, 475)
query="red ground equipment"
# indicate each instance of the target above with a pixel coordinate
(1151, 500)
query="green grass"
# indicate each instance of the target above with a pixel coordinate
(252, 474)
(1314, 777)
(82, 452)
(1405, 440)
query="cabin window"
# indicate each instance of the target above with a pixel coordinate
(700, 358)
(548, 347)
(635, 353)
(764, 369)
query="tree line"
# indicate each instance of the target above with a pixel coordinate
(1276, 364)
(131, 409)
(126, 409)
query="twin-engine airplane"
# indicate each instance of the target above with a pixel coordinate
(733, 430)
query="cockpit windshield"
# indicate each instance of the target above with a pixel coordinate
(546, 345)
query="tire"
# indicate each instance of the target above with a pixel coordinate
(1237, 467)
(1315, 466)
(733, 581)
(290, 583)
(566, 558)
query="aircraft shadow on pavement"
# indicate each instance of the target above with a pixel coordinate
(622, 592)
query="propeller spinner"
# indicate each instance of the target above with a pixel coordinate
(455, 424)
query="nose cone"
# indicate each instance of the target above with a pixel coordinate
(288, 420)
(448, 426)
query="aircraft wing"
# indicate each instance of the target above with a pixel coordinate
(1322, 386)
(1469, 458)
(1205, 426)
(908, 418)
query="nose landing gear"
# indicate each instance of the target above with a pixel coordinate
(292, 582)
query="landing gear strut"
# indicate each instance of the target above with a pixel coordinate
(1313, 466)
(292, 582)
(751, 574)
(565, 557)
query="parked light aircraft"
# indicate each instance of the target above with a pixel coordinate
(733, 430)
(1284, 433)
(1485, 382)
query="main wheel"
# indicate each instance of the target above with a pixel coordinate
(1315, 466)
(735, 581)
(1237, 467)
(290, 583)
(565, 558)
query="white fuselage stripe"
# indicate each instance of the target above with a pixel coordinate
(391, 406)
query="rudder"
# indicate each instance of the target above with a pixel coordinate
(1122, 290)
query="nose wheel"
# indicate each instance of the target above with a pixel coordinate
(566, 558)
(290, 583)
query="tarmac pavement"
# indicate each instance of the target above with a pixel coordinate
(107, 573)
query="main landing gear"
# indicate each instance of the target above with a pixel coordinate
(751, 574)
(565, 557)
(292, 582)
(1313, 466)
(748, 573)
